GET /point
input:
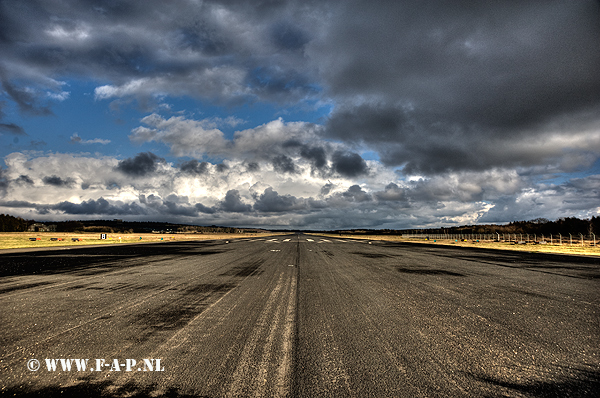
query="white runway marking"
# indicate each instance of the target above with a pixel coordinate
(286, 240)
(310, 240)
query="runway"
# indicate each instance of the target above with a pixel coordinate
(298, 316)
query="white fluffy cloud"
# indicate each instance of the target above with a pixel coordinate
(84, 186)
(197, 138)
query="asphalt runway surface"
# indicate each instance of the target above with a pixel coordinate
(298, 316)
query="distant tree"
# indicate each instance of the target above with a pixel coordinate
(69, 226)
(9, 223)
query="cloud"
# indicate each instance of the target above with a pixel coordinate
(470, 109)
(35, 187)
(221, 168)
(76, 139)
(197, 138)
(12, 128)
(349, 164)
(58, 181)
(99, 207)
(271, 201)
(24, 179)
(233, 203)
(226, 52)
(283, 164)
(27, 99)
(392, 193)
(194, 167)
(141, 165)
(447, 87)
(317, 155)
(356, 194)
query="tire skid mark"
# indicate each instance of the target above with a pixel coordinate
(180, 337)
(285, 367)
(106, 313)
(242, 376)
(335, 366)
(275, 314)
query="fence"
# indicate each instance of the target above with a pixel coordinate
(557, 239)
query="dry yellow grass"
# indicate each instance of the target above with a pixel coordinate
(587, 249)
(16, 240)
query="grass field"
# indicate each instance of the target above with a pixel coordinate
(565, 248)
(16, 240)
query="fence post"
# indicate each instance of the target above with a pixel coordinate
(560, 238)
(581, 235)
(570, 240)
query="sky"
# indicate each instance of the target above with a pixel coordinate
(300, 114)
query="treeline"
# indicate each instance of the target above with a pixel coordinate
(539, 226)
(9, 223)
(124, 227)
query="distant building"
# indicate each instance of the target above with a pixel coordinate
(38, 227)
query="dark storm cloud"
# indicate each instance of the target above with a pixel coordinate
(3, 181)
(141, 165)
(325, 189)
(280, 85)
(411, 79)
(461, 79)
(230, 52)
(391, 193)
(58, 181)
(233, 203)
(27, 101)
(349, 164)
(194, 167)
(288, 37)
(222, 167)
(100, 206)
(356, 194)
(25, 180)
(177, 209)
(204, 209)
(315, 154)
(283, 164)
(253, 166)
(271, 202)
(12, 128)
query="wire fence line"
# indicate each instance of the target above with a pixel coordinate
(552, 239)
